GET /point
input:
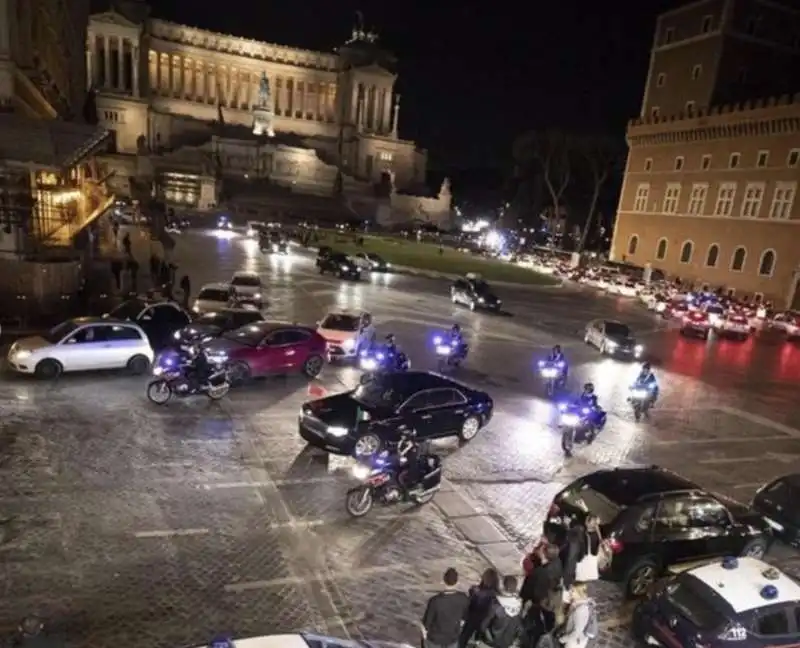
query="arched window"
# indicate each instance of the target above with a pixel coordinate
(712, 256)
(633, 243)
(767, 265)
(686, 252)
(738, 259)
(661, 250)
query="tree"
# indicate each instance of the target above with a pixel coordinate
(548, 154)
(601, 158)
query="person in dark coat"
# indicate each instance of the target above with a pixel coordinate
(482, 598)
(541, 593)
(116, 272)
(133, 270)
(572, 552)
(186, 289)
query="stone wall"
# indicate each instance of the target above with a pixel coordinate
(43, 284)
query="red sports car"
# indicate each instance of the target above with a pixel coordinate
(268, 348)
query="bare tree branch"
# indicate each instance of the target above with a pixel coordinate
(602, 158)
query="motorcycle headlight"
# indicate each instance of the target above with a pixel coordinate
(570, 419)
(639, 394)
(437, 340)
(349, 344)
(638, 348)
(337, 431)
(177, 335)
(361, 472)
(157, 371)
(549, 372)
(370, 364)
(442, 349)
(345, 267)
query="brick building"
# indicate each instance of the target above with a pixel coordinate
(711, 180)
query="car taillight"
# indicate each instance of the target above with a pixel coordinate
(615, 545)
(740, 320)
(554, 510)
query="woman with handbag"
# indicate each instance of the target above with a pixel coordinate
(587, 569)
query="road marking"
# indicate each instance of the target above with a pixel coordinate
(769, 457)
(761, 420)
(171, 533)
(681, 442)
(337, 574)
(754, 486)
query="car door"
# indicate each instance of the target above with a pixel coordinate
(674, 540)
(447, 409)
(415, 415)
(277, 351)
(89, 348)
(710, 521)
(126, 342)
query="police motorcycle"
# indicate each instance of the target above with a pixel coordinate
(581, 420)
(451, 350)
(185, 373)
(378, 360)
(643, 393)
(389, 479)
(553, 371)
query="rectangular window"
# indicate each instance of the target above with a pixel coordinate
(697, 199)
(753, 197)
(733, 161)
(655, 111)
(783, 200)
(642, 195)
(671, 197)
(763, 159)
(725, 196)
(648, 164)
(690, 108)
(793, 158)
(706, 163)
(678, 163)
(697, 70)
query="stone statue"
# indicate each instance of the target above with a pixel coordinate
(264, 94)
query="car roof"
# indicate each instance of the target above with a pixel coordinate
(85, 321)
(215, 286)
(245, 273)
(271, 325)
(740, 583)
(626, 486)
(413, 381)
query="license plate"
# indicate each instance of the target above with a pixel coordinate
(775, 525)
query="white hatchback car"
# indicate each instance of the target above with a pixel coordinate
(83, 344)
(346, 333)
(247, 286)
(213, 297)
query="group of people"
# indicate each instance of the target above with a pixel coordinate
(551, 608)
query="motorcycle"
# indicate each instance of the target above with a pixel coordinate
(384, 480)
(641, 397)
(553, 374)
(171, 380)
(450, 353)
(579, 424)
(374, 362)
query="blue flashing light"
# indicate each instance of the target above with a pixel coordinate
(769, 592)
(730, 562)
(437, 339)
(221, 642)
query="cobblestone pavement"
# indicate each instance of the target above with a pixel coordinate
(130, 525)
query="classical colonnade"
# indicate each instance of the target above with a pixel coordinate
(111, 63)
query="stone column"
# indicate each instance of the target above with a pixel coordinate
(396, 116)
(135, 63)
(386, 126)
(90, 45)
(120, 63)
(106, 62)
(199, 85)
(322, 93)
(354, 105)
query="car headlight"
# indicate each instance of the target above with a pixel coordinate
(482, 300)
(349, 344)
(337, 431)
(257, 296)
(361, 472)
(22, 355)
(570, 419)
(345, 267)
(611, 344)
(177, 335)
(443, 349)
(388, 265)
(196, 308)
(638, 348)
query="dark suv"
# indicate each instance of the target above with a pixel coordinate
(340, 265)
(475, 293)
(653, 520)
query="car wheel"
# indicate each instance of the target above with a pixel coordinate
(469, 428)
(755, 548)
(48, 369)
(640, 578)
(238, 373)
(313, 366)
(138, 365)
(367, 445)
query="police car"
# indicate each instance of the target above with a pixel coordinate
(742, 602)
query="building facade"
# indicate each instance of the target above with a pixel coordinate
(710, 186)
(199, 104)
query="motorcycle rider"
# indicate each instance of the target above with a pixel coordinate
(557, 357)
(398, 358)
(647, 380)
(588, 399)
(457, 341)
(408, 449)
(198, 368)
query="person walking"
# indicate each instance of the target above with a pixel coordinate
(116, 272)
(444, 614)
(481, 599)
(541, 593)
(126, 244)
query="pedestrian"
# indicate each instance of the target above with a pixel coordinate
(481, 599)
(115, 231)
(541, 593)
(571, 553)
(126, 244)
(503, 625)
(116, 272)
(444, 614)
(186, 289)
(581, 626)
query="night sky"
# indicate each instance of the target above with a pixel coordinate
(473, 77)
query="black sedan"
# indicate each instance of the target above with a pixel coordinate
(613, 338)
(475, 293)
(158, 318)
(363, 421)
(340, 265)
(779, 503)
(211, 325)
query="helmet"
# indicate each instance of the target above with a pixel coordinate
(646, 367)
(588, 388)
(390, 338)
(557, 348)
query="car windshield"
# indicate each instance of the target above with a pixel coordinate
(128, 310)
(693, 600)
(214, 294)
(339, 322)
(378, 393)
(615, 329)
(58, 333)
(481, 287)
(246, 281)
(247, 335)
(591, 502)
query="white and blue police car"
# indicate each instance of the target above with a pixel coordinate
(741, 602)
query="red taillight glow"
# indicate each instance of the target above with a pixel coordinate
(740, 320)
(554, 510)
(615, 545)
